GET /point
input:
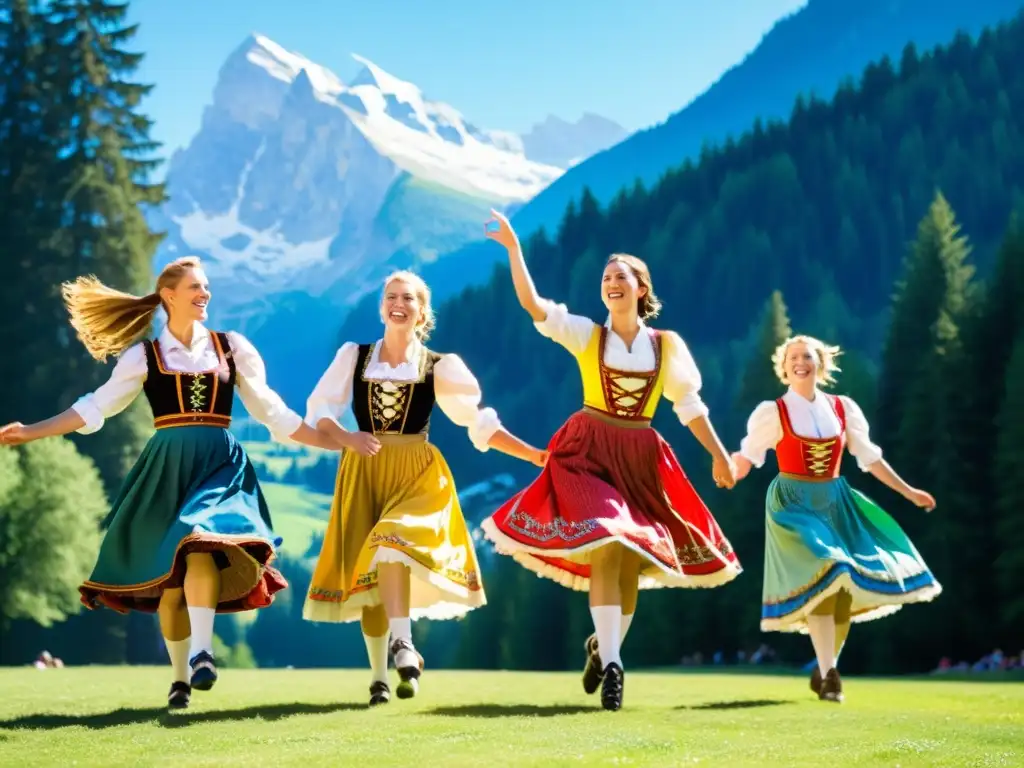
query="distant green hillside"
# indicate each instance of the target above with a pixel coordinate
(424, 220)
(298, 516)
(299, 513)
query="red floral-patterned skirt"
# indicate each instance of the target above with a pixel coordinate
(613, 482)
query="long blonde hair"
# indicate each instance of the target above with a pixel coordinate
(422, 291)
(649, 305)
(108, 321)
(825, 355)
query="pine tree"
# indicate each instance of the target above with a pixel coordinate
(991, 337)
(101, 179)
(928, 299)
(29, 209)
(759, 380)
(1009, 494)
(919, 422)
(982, 406)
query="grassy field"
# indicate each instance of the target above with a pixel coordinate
(112, 717)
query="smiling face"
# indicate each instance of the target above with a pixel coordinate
(801, 364)
(401, 308)
(189, 297)
(620, 290)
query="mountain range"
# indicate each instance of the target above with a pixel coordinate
(305, 191)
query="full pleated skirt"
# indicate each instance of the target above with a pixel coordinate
(400, 506)
(193, 489)
(824, 536)
(606, 482)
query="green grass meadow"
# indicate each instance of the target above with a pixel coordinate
(95, 716)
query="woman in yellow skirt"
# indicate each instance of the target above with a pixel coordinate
(396, 510)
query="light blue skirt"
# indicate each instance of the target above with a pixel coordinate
(822, 537)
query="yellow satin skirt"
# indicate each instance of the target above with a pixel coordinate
(399, 506)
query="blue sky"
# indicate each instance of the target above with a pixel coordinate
(503, 65)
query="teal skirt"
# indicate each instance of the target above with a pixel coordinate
(193, 489)
(822, 537)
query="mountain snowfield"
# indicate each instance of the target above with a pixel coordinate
(300, 184)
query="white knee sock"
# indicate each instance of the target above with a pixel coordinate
(201, 620)
(608, 625)
(401, 629)
(823, 637)
(377, 652)
(178, 651)
(627, 619)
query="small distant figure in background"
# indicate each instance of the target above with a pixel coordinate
(46, 660)
(763, 655)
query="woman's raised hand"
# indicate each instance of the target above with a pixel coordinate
(498, 229)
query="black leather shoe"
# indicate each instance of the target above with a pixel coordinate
(816, 679)
(611, 687)
(593, 669)
(831, 687)
(380, 693)
(180, 695)
(204, 671)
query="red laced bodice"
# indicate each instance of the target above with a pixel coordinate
(812, 457)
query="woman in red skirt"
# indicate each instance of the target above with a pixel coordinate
(613, 512)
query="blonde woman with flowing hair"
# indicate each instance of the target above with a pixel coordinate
(832, 555)
(190, 534)
(397, 547)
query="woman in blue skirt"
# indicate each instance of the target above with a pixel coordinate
(189, 535)
(832, 555)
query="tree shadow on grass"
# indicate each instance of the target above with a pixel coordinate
(161, 716)
(510, 710)
(740, 704)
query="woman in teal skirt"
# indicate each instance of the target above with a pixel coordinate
(832, 555)
(189, 535)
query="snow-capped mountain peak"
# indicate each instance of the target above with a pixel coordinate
(286, 65)
(387, 83)
(430, 140)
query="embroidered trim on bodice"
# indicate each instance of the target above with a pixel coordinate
(198, 395)
(389, 403)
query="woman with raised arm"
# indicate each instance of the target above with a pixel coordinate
(613, 511)
(189, 535)
(832, 556)
(396, 546)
